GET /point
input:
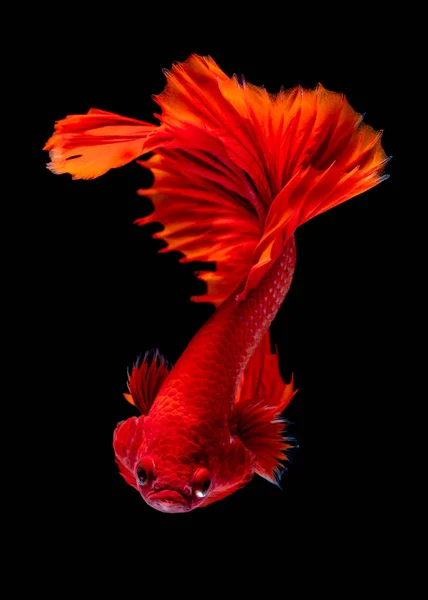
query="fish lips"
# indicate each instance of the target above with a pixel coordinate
(168, 501)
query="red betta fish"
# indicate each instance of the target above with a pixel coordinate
(236, 171)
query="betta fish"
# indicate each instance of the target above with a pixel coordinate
(236, 171)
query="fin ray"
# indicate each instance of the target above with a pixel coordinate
(145, 380)
(87, 146)
(256, 419)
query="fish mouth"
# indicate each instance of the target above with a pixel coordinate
(168, 501)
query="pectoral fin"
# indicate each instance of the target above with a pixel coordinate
(145, 380)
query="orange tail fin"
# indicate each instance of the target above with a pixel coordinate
(244, 169)
(86, 146)
(236, 170)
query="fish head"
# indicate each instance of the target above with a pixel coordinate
(182, 468)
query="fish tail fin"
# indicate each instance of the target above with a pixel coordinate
(87, 146)
(243, 169)
(256, 416)
(236, 170)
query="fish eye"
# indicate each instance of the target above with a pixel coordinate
(145, 471)
(201, 482)
(142, 476)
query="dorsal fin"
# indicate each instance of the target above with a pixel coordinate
(145, 380)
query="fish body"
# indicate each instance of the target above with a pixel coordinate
(236, 171)
(200, 391)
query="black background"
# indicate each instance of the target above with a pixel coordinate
(113, 296)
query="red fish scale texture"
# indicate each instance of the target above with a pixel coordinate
(204, 380)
